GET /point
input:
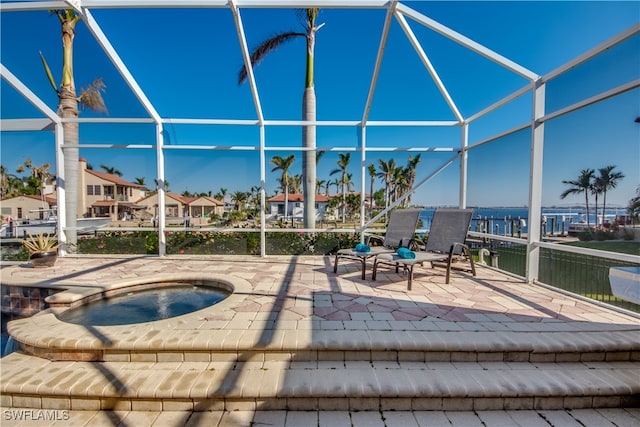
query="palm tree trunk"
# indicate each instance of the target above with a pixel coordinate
(68, 108)
(586, 204)
(344, 200)
(371, 199)
(596, 209)
(286, 201)
(309, 157)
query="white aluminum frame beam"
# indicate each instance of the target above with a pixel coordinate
(378, 64)
(147, 4)
(427, 63)
(11, 125)
(17, 84)
(535, 182)
(106, 45)
(466, 42)
(607, 44)
(247, 60)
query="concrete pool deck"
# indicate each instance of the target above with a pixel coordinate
(297, 337)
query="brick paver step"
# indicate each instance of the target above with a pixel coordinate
(327, 385)
(45, 336)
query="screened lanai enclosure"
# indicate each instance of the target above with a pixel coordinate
(277, 161)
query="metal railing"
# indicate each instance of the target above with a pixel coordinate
(581, 271)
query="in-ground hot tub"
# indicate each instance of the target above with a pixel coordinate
(147, 303)
(139, 300)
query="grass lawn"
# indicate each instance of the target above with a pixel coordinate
(622, 246)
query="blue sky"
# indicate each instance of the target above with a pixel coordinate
(186, 61)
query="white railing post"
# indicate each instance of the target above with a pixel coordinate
(162, 240)
(535, 182)
(462, 198)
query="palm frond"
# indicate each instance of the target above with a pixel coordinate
(47, 70)
(264, 48)
(91, 97)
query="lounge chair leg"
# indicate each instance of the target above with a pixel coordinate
(410, 280)
(335, 265)
(364, 266)
(473, 265)
(375, 266)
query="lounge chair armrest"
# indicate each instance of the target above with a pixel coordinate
(465, 248)
(369, 237)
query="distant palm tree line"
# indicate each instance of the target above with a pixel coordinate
(11, 185)
(588, 182)
(397, 180)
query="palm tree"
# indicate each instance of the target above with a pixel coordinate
(320, 184)
(111, 170)
(387, 171)
(343, 163)
(68, 108)
(337, 183)
(239, 198)
(222, 194)
(372, 175)
(10, 184)
(634, 204)
(140, 181)
(295, 184)
(308, 18)
(412, 164)
(283, 164)
(39, 175)
(596, 190)
(581, 185)
(608, 180)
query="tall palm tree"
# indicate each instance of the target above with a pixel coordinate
(140, 181)
(596, 190)
(308, 18)
(68, 108)
(372, 174)
(111, 170)
(387, 171)
(581, 185)
(283, 164)
(320, 184)
(295, 183)
(608, 179)
(343, 163)
(412, 164)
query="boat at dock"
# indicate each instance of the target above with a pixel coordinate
(48, 224)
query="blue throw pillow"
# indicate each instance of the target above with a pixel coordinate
(406, 253)
(361, 247)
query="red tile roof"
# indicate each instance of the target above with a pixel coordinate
(113, 178)
(298, 198)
